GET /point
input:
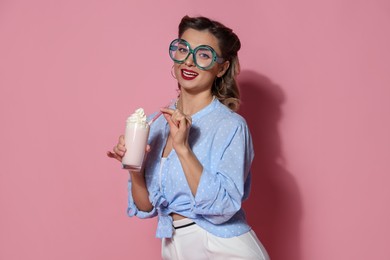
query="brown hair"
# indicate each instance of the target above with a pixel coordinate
(225, 88)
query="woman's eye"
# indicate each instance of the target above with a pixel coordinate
(183, 50)
(204, 55)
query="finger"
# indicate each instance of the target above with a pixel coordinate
(168, 117)
(122, 139)
(175, 121)
(178, 115)
(119, 150)
(148, 149)
(110, 154)
(185, 122)
(169, 111)
(113, 155)
(189, 120)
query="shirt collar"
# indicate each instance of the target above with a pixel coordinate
(204, 111)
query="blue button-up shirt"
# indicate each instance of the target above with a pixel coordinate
(221, 141)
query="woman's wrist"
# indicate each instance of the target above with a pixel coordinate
(137, 176)
(183, 151)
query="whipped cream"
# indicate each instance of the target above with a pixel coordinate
(138, 117)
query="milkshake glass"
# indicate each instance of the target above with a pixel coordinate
(136, 138)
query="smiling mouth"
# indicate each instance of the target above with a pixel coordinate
(188, 75)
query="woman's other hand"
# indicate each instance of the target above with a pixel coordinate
(119, 150)
(180, 125)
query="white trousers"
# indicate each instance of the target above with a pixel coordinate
(194, 243)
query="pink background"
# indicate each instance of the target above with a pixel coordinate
(72, 71)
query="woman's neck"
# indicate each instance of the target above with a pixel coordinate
(191, 104)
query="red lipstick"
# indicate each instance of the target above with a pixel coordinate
(188, 74)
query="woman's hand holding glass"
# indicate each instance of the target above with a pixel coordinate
(119, 149)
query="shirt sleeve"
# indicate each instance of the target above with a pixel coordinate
(221, 187)
(132, 209)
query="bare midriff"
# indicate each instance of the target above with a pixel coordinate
(176, 216)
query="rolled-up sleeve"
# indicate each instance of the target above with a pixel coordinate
(221, 187)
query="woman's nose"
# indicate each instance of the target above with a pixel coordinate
(190, 60)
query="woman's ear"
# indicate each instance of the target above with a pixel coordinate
(223, 68)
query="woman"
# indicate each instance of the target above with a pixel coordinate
(197, 171)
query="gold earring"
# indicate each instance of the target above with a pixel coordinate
(172, 73)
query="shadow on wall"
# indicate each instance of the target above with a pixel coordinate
(274, 206)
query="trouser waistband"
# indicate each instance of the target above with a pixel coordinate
(182, 223)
